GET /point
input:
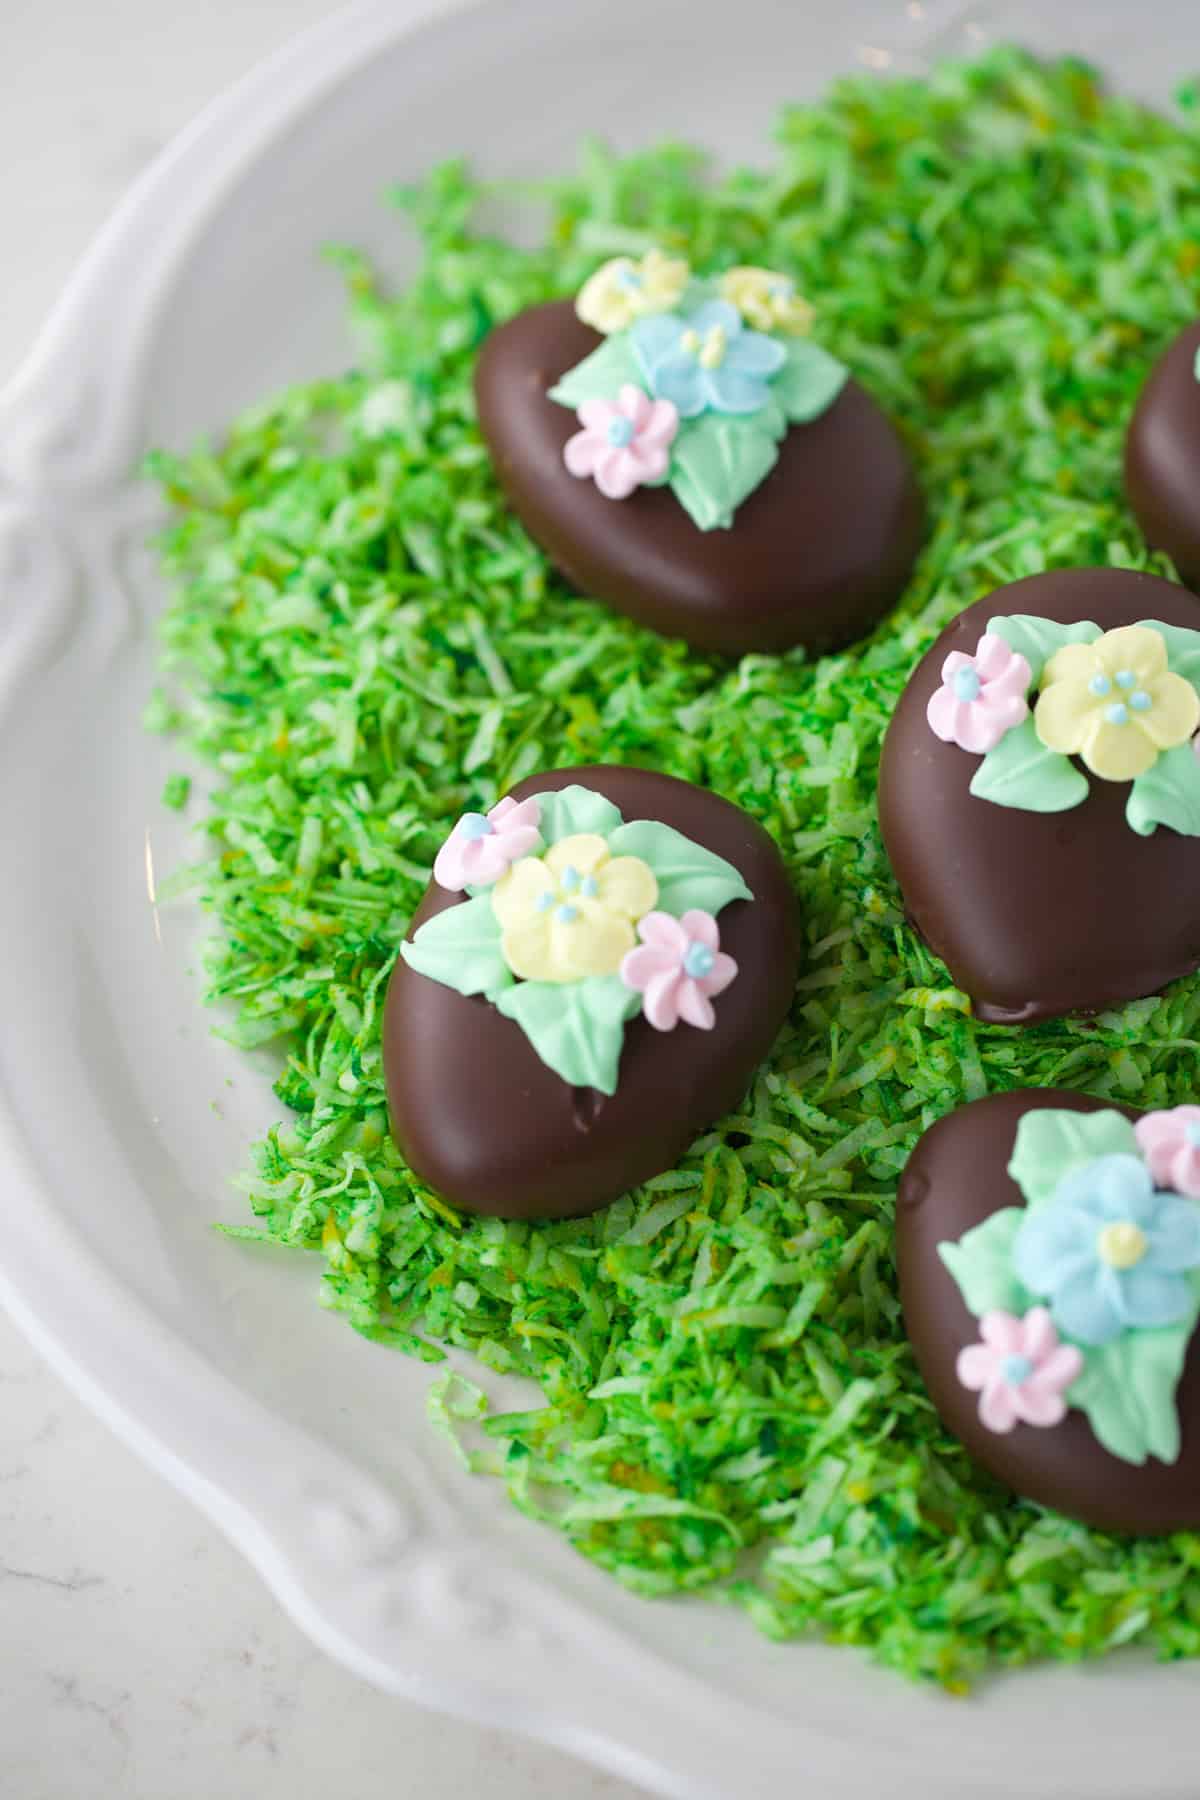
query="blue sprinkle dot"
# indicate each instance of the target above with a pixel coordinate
(1126, 678)
(545, 901)
(567, 915)
(569, 879)
(1117, 714)
(589, 887)
(1192, 1134)
(698, 960)
(1100, 684)
(966, 684)
(1016, 1369)
(629, 279)
(620, 432)
(1141, 701)
(475, 825)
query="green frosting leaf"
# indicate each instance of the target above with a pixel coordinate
(1021, 772)
(809, 381)
(600, 375)
(576, 1027)
(461, 948)
(1052, 1141)
(982, 1265)
(1167, 794)
(688, 875)
(718, 460)
(771, 415)
(1183, 649)
(1127, 1390)
(1037, 639)
(574, 809)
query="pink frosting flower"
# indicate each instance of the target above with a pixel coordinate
(481, 847)
(1020, 1370)
(677, 967)
(981, 696)
(1170, 1143)
(624, 442)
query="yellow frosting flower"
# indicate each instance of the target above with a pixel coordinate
(623, 290)
(1115, 703)
(767, 300)
(571, 913)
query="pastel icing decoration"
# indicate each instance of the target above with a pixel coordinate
(482, 846)
(1109, 1252)
(1115, 703)
(1051, 1293)
(678, 969)
(623, 290)
(624, 443)
(1047, 887)
(707, 360)
(766, 500)
(572, 914)
(1162, 455)
(982, 695)
(1110, 698)
(1019, 1369)
(1170, 1143)
(525, 1076)
(767, 300)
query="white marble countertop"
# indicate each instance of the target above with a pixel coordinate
(140, 1657)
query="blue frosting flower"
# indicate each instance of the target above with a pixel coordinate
(706, 360)
(1109, 1252)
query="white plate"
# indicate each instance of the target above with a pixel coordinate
(121, 1117)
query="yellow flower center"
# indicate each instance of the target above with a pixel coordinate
(562, 897)
(708, 350)
(1122, 1245)
(716, 343)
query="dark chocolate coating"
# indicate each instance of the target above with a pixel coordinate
(955, 1179)
(1162, 456)
(482, 1119)
(815, 556)
(1038, 914)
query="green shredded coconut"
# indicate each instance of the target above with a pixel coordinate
(363, 643)
(176, 789)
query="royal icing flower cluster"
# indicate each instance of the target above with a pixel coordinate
(1110, 699)
(573, 922)
(578, 911)
(695, 383)
(1108, 1258)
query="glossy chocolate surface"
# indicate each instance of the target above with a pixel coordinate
(1162, 456)
(815, 555)
(483, 1120)
(955, 1179)
(1038, 914)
